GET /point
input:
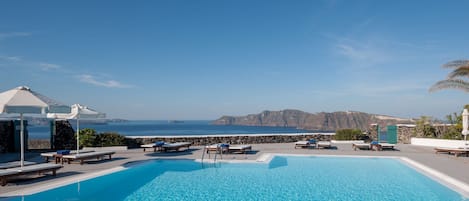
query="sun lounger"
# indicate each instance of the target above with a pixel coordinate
(175, 146)
(324, 144)
(305, 144)
(57, 156)
(356, 146)
(455, 151)
(6, 174)
(14, 164)
(157, 146)
(239, 148)
(386, 146)
(85, 156)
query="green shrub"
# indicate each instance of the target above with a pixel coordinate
(109, 139)
(89, 138)
(453, 133)
(349, 134)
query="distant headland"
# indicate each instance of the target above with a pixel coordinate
(323, 121)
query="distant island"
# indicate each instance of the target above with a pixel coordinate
(175, 121)
(322, 121)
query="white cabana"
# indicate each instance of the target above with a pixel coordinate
(22, 100)
(78, 111)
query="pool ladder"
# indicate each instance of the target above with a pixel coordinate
(219, 151)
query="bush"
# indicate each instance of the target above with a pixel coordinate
(349, 134)
(109, 139)
(89, 138)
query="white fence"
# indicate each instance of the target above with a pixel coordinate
(437, 142)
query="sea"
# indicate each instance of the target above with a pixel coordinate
(167, 128)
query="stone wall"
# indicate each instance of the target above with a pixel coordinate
(405, 133)
(373, 132)
(64, 137)
(10, 135)
(7, 136)
(246, 139)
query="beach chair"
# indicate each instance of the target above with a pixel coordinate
(239, 148)
(6, 174)
(324, 144)
(14, 164)
(86, 156)
(306, 144)
(175, 146)
(157, 146)
(455, 151)
(384, 145)
(57, 155)
(361, 146)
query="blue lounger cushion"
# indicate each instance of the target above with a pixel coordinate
(63, 152)
(159, 143)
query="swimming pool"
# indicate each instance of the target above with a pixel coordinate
(284, 178)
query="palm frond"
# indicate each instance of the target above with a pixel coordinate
(462, 71)
(451, 84)
(456, 64)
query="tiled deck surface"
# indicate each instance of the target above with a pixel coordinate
(455, 167)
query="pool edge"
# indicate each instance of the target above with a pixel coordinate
(456, 185)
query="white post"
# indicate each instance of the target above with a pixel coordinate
(21, 140)
(78, 132)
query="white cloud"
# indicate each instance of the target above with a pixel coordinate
(13, 34)
(90, 79)
(49, 66)
(362, 53)
(10, 58)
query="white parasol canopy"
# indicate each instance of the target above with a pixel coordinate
(78, 111)
(23, 100)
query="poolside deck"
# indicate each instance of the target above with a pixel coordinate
(455, 167)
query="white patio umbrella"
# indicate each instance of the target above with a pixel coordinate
(22, 100)
(78, 111)
(465, 123)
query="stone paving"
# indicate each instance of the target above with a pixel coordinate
(454, 167)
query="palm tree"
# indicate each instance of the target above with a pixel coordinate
(455, 79)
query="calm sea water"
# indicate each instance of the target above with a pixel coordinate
(164, 128)
(285, 178)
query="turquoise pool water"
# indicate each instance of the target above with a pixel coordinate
(285, 178)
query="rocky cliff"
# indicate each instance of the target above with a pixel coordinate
(318, 121)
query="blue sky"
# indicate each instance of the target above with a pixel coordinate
(181, 59)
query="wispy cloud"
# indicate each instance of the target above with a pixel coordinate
(49, 66)
(90, 79)
(361, 52)
(10, 58)
(14, 34)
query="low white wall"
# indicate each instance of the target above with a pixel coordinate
(437, 142)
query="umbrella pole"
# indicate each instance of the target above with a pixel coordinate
(78, 133)
(21, 140)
